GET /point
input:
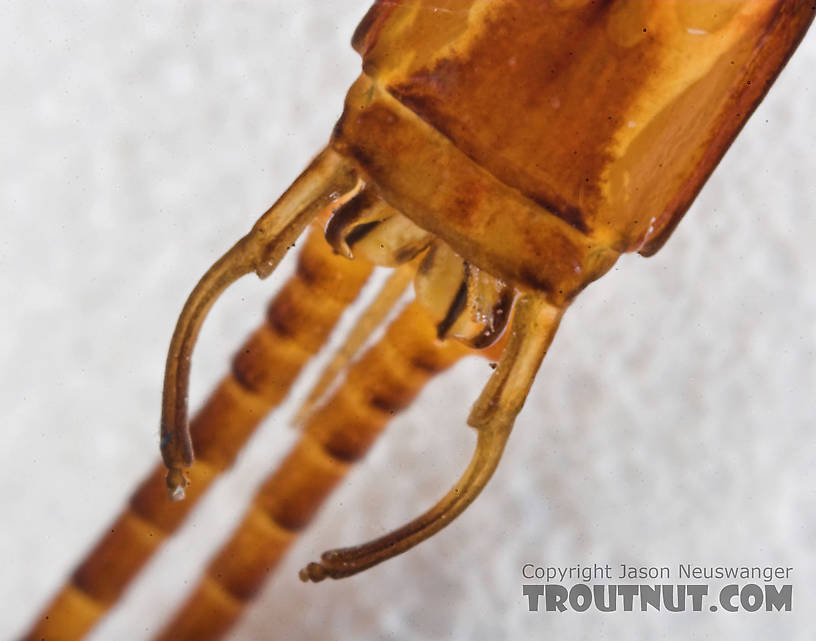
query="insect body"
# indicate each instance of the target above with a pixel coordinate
(505, 152)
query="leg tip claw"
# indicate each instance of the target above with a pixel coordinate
(313, 572)
(176, 482)
(177, 493)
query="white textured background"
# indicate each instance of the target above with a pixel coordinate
(671, 421)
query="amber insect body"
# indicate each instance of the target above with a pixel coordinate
(503, 154)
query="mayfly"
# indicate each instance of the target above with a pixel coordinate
(500, 155)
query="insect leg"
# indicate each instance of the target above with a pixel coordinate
(533, 327)
(385, 379)
(300, 318)
(324, 182)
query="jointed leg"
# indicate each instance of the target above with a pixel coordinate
(385, 379)
(533, 327)
(326, 181)
(300, 318)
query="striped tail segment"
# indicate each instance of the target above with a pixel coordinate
(383, 381)
(298, 323)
